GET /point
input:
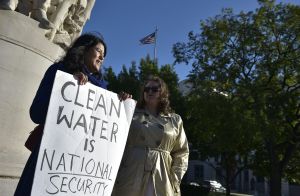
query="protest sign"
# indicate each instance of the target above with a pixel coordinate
(84, 139)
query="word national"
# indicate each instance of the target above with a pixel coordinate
(73, 173)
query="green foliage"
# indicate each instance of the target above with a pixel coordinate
(113, 83)
(293, 169)
(147, 67)
(247, 87)
(130, 80)
(168, 74)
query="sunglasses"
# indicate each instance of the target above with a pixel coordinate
(154, 89)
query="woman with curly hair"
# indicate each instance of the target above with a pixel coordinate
(156, 153)
(83, 59)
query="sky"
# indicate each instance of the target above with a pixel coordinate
(124, 22)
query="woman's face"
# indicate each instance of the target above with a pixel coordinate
(94, 57)
(152, 92)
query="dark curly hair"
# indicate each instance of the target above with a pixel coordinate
(164, 104)
(74, 58)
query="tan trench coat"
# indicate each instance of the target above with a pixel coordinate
(156, 148)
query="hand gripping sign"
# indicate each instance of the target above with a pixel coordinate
(84, 139)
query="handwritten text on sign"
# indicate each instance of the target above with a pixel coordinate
(84, 139)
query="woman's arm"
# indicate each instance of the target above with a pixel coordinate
(39, 106)
(180, 154)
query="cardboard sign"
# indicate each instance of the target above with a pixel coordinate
(84, 139)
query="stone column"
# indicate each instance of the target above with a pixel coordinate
(25, 54)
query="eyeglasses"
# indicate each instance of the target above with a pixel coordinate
(154, 89)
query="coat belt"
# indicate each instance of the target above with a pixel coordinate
(158, 149)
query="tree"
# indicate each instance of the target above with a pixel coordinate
(177, 101)
(132, 79)
(220, 128)
(129, 80)
(253, 58)
(111, 77)
(147, 67)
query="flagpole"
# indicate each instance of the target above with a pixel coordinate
(155, 44)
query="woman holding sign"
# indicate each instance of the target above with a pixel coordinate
(156, 153)
(83, 59)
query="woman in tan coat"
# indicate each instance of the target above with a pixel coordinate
(156, 153)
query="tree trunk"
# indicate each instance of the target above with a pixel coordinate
(228, 190)
(275, 179)
(275, 184)
(228, 181)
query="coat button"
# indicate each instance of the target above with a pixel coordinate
(145, 122)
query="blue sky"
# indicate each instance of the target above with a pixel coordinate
(124, 22)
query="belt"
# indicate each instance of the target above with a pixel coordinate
(150, 148)
(158, 149)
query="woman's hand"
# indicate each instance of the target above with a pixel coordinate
(81, 78)
(123, 96)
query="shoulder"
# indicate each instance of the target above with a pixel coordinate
(173, 116)
(56, 66)
(52, 69)
(175, 120)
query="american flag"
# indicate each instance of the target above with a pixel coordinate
(149, 39)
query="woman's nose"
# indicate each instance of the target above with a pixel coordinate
(101, 57)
